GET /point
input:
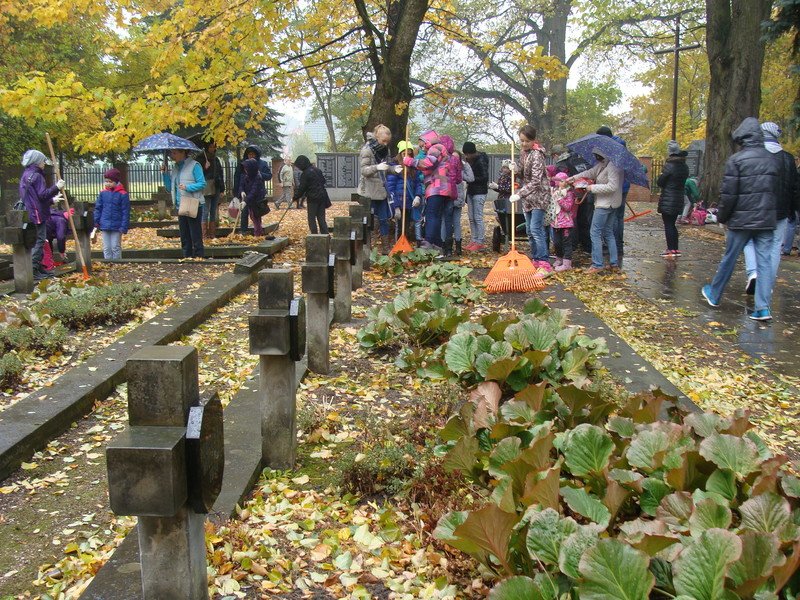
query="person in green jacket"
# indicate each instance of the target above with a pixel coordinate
(691, 194)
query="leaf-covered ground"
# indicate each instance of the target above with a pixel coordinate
(300, 534)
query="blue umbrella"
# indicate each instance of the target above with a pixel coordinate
(615, 152)
(160, 142)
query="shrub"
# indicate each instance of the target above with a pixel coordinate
(42, 340)
(639, 501)
(380, 467)
(395, 264)
(10, 370)
(80, 306)
(450, 280)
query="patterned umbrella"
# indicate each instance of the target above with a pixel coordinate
(160, 142)
(615, 152)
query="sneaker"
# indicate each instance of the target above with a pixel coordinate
(613, 268)
(706, 292)
(676, 253)
(479, 247)
(543, 265)
(750, 286)
(667, 254)
(472, 246)
(592, 270)
(760, 315)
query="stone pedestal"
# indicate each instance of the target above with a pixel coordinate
(22, 237)
(316, 286)
(371, 236)
(359, 226)
(278, 336)
(342, 302)
(84, 223)
(163, 202)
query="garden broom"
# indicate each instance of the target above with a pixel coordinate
(402, 246)
(513, 272)
(78, 250)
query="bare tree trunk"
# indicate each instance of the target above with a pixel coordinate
(736, 56)
(555, 26)
(392, 94)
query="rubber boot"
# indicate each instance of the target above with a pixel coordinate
(204, 229)
(565, 265)
(459, 251)
(386, 244)
(212, 230)
(447, 248)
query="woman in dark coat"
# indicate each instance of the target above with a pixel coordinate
(672, 181)
(312, 188)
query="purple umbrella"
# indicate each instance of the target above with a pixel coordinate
(164, 141)
(615, 152)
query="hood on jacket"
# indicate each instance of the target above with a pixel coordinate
(448, 144)
(34, 157)
(599, 152)
(255, 149)
(749, 133)
(429, 138)
(251, 167)
(302, 162)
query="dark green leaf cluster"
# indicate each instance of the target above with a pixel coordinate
(450, 280)
(644, 500)
(10, 370)
(396, 264)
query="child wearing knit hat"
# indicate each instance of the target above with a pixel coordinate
(112, 213)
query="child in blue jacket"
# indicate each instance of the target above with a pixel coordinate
(112, 214)
(414, 190)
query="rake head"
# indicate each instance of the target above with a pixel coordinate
(513, 272)
(402, 246)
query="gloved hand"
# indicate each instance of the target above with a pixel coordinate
(61, 184)
(417, 201)
(397, 214)
(244, 196)
(57, 198)
(492, 185)
(514, 198)
(408, 161)
(398, 169)
(382, 166)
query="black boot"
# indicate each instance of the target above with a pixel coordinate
(447, 248)
(458, 248)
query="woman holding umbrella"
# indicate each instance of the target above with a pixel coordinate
(607, 191)
(186, 183)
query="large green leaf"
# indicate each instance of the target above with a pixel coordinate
(579, 501)
(547, 530)
(524, 588)
(723, 483)
(501, 368)
(569, 556)
(768, 513)
(517, 412)
(461, 352)
(507, 450)
(676, 509)
(455, 429)
(532, 395)
(760, 554)
(736, 454)
(700, 570)
(490, 529)
(709, 514)
(613, 570)
(461, 457)
(573, 365)
(540, 335)
(446, 527)
(704, 424)
(622, 426)
(791, 485)
(654, 491)
(647, 450)
(587, 450)
(542, 488)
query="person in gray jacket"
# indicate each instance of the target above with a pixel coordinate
(747, 206)
(374, 157)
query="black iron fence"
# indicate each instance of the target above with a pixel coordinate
(655, 171)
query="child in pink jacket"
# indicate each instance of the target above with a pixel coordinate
(564, 224)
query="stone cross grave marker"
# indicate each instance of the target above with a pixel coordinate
(341, 246)
(84, 223)
(359, 225)
(371, 221)
(317, 285)
(166, 469)
(22, 236)
(278, 337)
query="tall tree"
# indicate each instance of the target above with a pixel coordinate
(735, 48)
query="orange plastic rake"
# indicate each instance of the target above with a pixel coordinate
(513, 272)
(78, 250)
(634, 214)
(403, 246)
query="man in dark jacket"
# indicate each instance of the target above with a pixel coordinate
(263, 168)
(476, 194)
(788, 203)
(312, 188)
(749, 195)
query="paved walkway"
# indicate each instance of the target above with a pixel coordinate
(679, 281)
